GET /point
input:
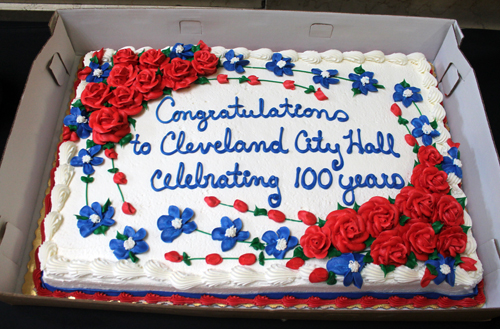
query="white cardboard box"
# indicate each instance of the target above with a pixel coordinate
(29, 153)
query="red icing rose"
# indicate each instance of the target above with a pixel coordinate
(420, 238)
(110, 154)
(430, 179)
(318, 275)
(212, 201)
(127, 100)
(316, 242)
(276, 215)
(348, 230)
(240, 206)
(119, 178)
(122, 75)
(109, 125)
(449, 211)
(389, 248)
(451, 241)
(429, 156)
(379, 215)
(204, 63)
(307, 217)
(149, 84)
(83, 73)
(417, 204)
(173, 256)
(247, 259)
(152, 59)
(95, 95)
(203, 46)
(128, 209)
(213, 259)
(295, 263)
(99, 54)
(178, 74)
(125, 56)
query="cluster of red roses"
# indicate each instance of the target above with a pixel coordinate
(421, 205)
(135, 79)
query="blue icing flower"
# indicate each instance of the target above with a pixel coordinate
(99, 72)
(234, 62)
(95, 218)
(445, 268)
(229, 233)
(174, 224)
(182, 51)
(87, 159)
(279, 242)
(452, 164)
(325, 78)
(132, 243)
(79, 118)
(364, 82)
(349, 266)
(422, 128)
(280, 65)
(406, 95)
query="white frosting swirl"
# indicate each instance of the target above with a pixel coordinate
(242, 276)
(53, 221)
(58, 197)
(471, 246)
(157, 270)
(262, 53)
(435, 96)
(184, 281)
(311, 57)
(404, 274)
(63, 174)
(354, 56)
(333, 55)
(290, 54)
(280, 275)
(429, 81)
(214, 278)
(78, 269)
(397, 58)
(373, 273)
(67, 151)
(242, 51)
(101, 268)
(47, 250)
(219, 51)
(462, 278)
(375, 56)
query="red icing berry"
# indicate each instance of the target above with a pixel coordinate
(212, 201)
(307, 217)
(452, 144)
(213, 259)
(240, 206)
(276, 215)
(119, 178)
(173, 256)
(295, 263)
(410, 140)
(319, 95)
(289, 84)
(254, 80)
(247, 259)
(396, 110)
(111, 153)
(222, 78)
(318, 275)
(128, 209)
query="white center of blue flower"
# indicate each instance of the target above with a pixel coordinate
(353, 266)
(86, 158)
(281, 244)
(325, 74)
(234, 60)
(97, 73)
(427, 129)
(407, 93)
(445, 269)
(231, 232)
(177, 223)
(94, 218)
(129, 244)
(81, 119)
(364, 80)
(281, 64)
(179, 49)
(457, 163)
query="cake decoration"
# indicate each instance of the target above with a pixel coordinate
(95, 219)
(129, 244)
(174, 224)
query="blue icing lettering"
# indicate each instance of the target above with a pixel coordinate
(369, 147)
(370, 181)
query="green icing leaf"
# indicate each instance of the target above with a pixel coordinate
(299, 252)
(458, 260)
(462, 202)
(409, 184)
(72, 127)
(202, 81)
(368, 258)
(101, 230)
(416, 163)
(133, 257)
(439, 167)
(465, 228)
(109, 145)
(94, 60)
(321, 222)
(403, 219)
(437, 226)
(112, 88)
(355, 91)
(402, 121)
(81, 217)
(166, 52)
(166, 91)
(434, 124)
(132, 121)
(262, 258)
(333, 252)
(434, 255)
(78, 103)
(186, 259)
(340, 207)
(142, 52)
(359, 70)
(90, 143)
(195, 48)
(412, 260)
(369, 241)
(356, 207)
(332, 278)
(415, 148)
(120, 236)
(432, 269)
(113, 170)
(391, 200)
(387, 269)
(106, 206)
(378, 86)
(458, 155)
(87, 179)
(310, 89)
(243, 79)
(405, 84)
(257, 245)
(159, 72)
(259, 212)
(125, 140)
(145, 104)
